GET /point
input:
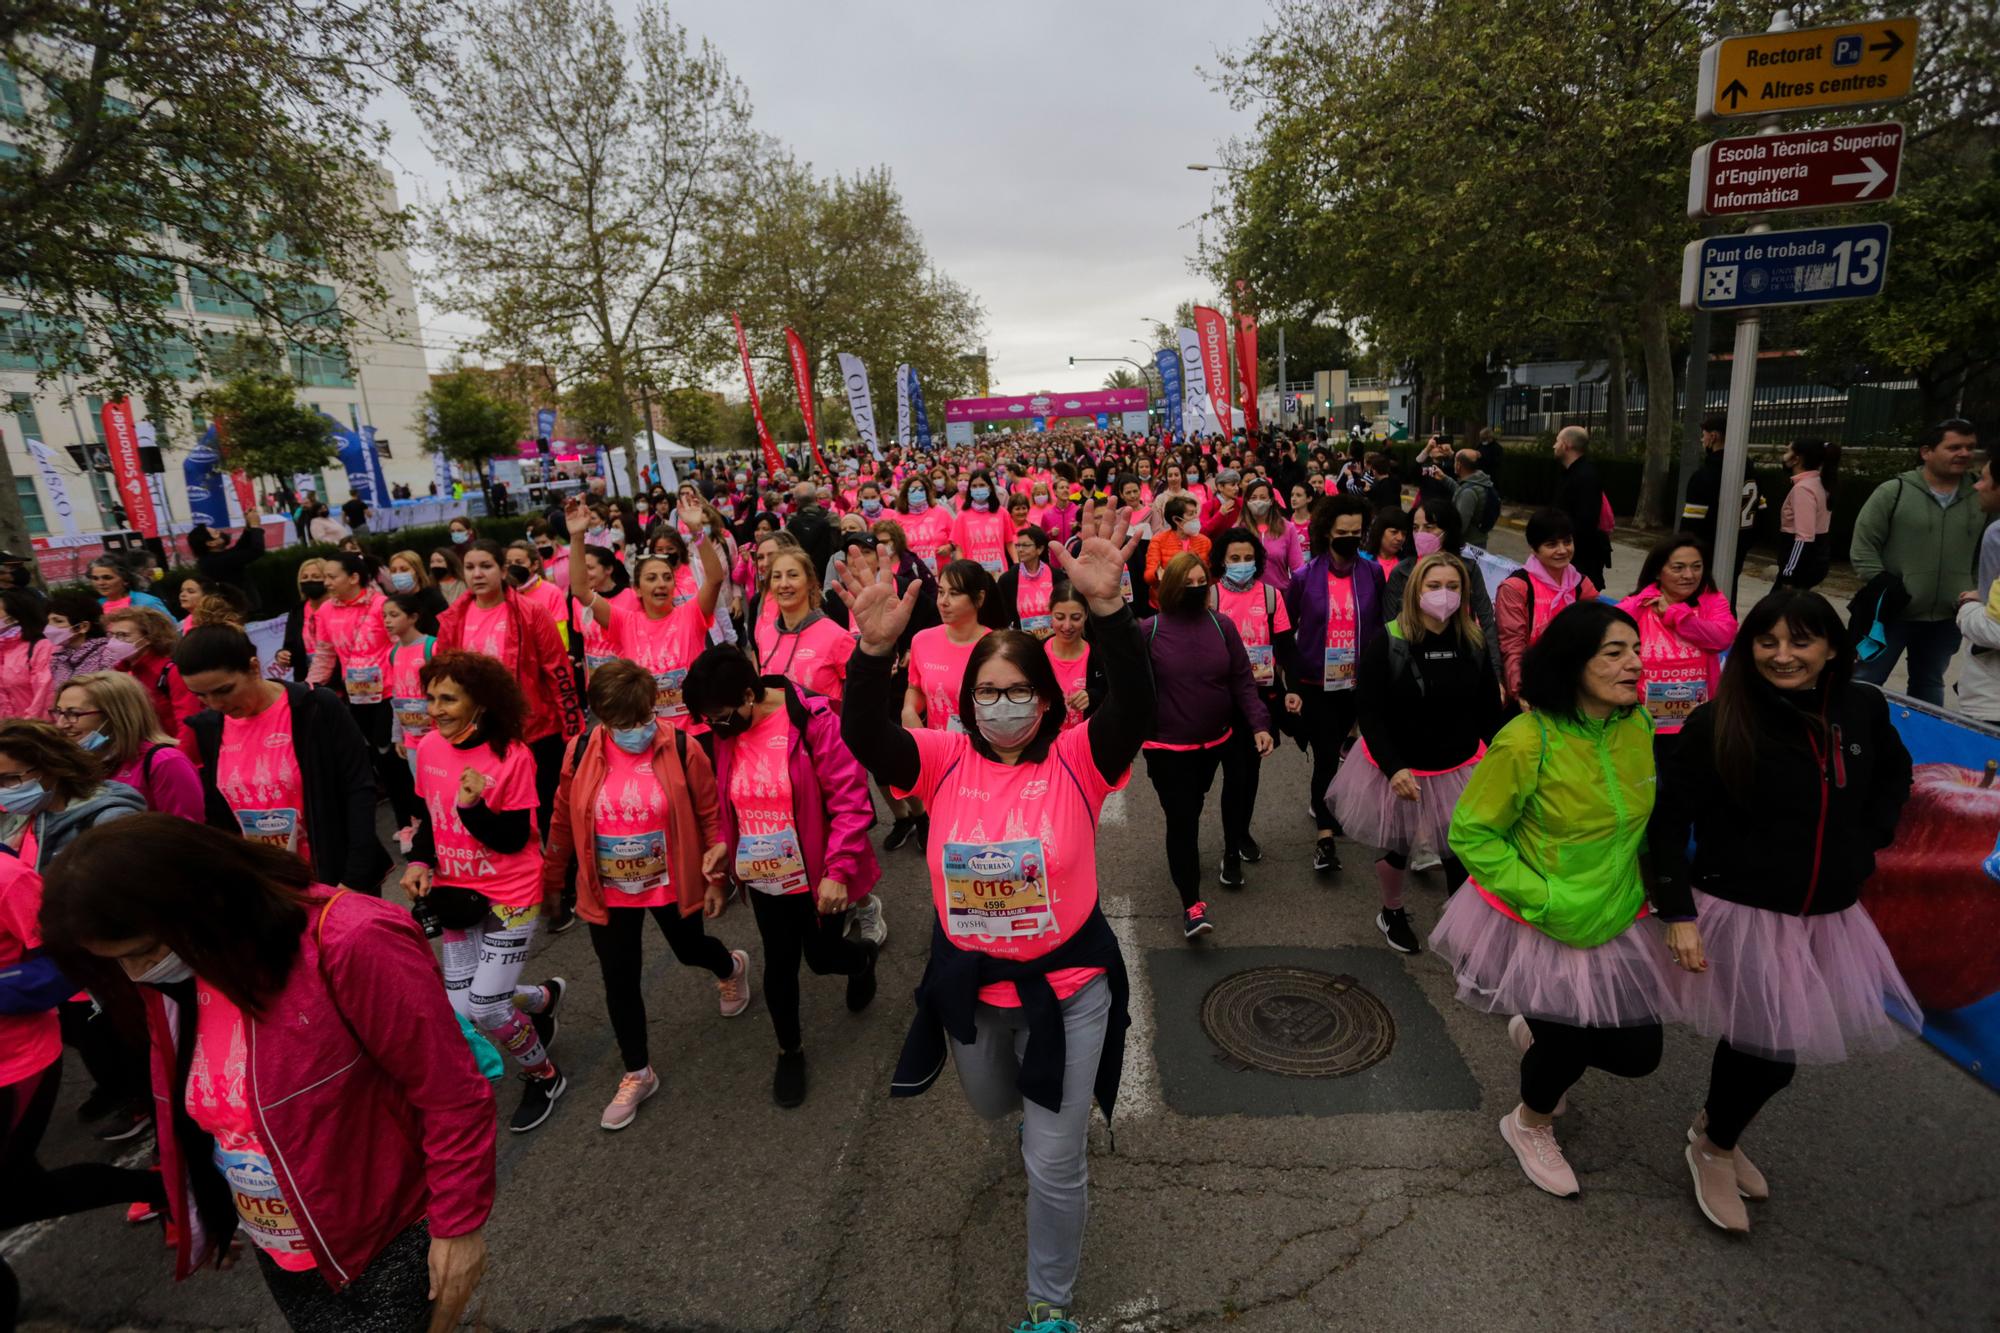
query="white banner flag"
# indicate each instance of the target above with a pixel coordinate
(1197, 417)
(57, 488)
(903, 405)
(860, 404)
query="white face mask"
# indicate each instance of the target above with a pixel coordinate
(1006, 724)
(166, 972)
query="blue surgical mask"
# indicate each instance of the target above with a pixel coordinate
(402, 580)
(1238, 573)
(459, 536)
(95, 740)
(870, 506)
(21, 799)
(918, 500)
(982, 494)
(635, 740)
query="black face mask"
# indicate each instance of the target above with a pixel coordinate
(548, 552)
(730, 724)
(439, 573)
(518, 575)
(1194, 599)
(312, 590)
(1345, 547)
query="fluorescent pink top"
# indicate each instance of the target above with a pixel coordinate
(815, 658)
(937, 667)
(1013, 849)
(487, 630)
(352, 634)
(632, 861)
(1259, 629)
(257, 772)
(406, 691)
(769, 857)
(511, 879)
(666, 647)
(984, 536)
(1070, 677)
(926, 532)
(29, 1043)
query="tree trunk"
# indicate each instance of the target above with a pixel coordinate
(1655, 491)
(14, 523)
(1617, 419)
(614, 368)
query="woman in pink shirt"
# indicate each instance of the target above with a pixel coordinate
(800, 643)
(525, 572)
(26, 679)
(1806, 516)
(1025, 988)
(476, 865)
(1684, 624)
(926, 522)
(983, 531)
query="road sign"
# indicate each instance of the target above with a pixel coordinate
(1802, 267)
(1776, 173)
(1846, 64)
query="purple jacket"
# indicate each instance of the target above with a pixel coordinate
(1305, 601)
(1202, 675)
(831, 807)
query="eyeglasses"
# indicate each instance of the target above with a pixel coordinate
(73, 714)
(1022, 693)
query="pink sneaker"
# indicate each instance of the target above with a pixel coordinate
(735, 992)
(1541, 1156)
(1715, 1187)
(624, 1106)
(1750, 1182)
(1524, 1037)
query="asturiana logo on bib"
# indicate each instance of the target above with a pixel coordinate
(990, 862)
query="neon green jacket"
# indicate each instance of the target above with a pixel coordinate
(1553, 820)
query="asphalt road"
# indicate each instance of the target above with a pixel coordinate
(1230, 1198)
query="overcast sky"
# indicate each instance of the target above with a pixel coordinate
(1080, 116)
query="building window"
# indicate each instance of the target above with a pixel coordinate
(230, 293)
(321, 368)
(11, 106)
(23, 407)
(100, 488)
(31, 506)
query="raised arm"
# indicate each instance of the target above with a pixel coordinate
(1125, 716)
(576, 514)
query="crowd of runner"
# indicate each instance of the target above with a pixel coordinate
(1645, 810)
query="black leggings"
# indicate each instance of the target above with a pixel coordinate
(1242, 766)
(1181, 779)
(1328, 719)
(117, 1067)
(30, 1191)
(1561, 1053)
(391, 1295)
(793, 929)
(620, 957)
(1454, 869)
(548, 756)
(1739, 1084)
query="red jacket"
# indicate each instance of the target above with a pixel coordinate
(173, 702)
(366, 1097)
(540, 664)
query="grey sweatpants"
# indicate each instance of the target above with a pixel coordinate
(1053, 1143)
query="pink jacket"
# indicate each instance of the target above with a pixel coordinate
(831, 807)
(1704, 623)
(366, 1096)
(26, 687)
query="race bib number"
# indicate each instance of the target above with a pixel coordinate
(633, 862)
(1670, 701)
(667, 702)
(1125, 583)
(997, 890)
(1263, 663)
(1040, 626)
(1339, 667)
(413, 718)
(273, 828)
(771, 862)
(364, 685)
(259, 1204)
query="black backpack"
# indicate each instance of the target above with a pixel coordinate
(1489, 510)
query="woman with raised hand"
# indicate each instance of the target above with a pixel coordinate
(1789, 780)
(1025, 987)
(1557, 931)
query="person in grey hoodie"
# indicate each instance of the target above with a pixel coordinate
(1477, 499)
(1923, 526)
(50, 792)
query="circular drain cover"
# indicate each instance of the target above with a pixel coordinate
(1296, 1022)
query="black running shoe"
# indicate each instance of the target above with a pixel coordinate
(899, 833)
(1394, 923)
(1195, 922)
(538, 1099)
(128, 1123)
(1250, 850)
(1232, 870)
(921, 833)
(545, 1022)
(563, 919)
(1326, 857)
(788, 1084)
(861, 985)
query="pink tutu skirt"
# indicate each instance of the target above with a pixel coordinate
(1506, 967)
(1812, 989)
(1374, 816)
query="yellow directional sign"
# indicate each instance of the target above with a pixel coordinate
(1846, 64)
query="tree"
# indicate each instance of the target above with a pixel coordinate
(266, 431)
(692, 417)
(589, 161)
(470, 425)
(839, 261)
(599, 412)
(1122, 377)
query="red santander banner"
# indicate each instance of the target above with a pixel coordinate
(771, 464)
(802, 376)
(1214, 335)
(121, 437)
(1246, 368)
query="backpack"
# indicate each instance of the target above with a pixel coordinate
(1489, 508)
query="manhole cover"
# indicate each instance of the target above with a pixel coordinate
(1296, 1022)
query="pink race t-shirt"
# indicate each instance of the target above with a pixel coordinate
(768, 856)
(926, 532)
(666, 647)
(510, 879)
(1342, 634)
(632, 831)
(1013, 849)
(406, 690)
(815, 658)
(686, 583)
(489, 630)
(937, 668)
(551, 599)
(1069, 678)
(353, 631)
(597, 645)
(1259, 628)
(257, 772)
(1031, 599)
(29, 1043)
(218, 1101)
(985, 537)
